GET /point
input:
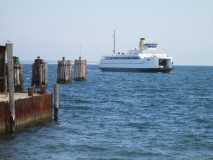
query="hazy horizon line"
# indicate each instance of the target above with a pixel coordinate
(97, 62)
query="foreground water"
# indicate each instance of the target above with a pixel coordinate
(124, 116)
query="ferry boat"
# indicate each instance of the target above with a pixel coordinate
(147, 58)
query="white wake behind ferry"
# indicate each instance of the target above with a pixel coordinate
(148, 58)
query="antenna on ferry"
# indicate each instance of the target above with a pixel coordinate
(80, 49)
(114, 42)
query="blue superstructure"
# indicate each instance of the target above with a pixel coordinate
(150, 45)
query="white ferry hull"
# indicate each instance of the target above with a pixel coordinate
(138, 65)
(136, 69)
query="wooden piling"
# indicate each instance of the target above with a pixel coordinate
(3, 67)
(18, 75)
(64, 71)
(9, 50)
(80, 69)
(56, 101)
(39, 75)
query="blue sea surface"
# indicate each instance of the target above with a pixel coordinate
(124, 116)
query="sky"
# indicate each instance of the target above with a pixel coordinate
(72, 28)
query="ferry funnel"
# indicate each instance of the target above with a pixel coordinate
(141, 43)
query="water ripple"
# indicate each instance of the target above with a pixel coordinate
(122, 116)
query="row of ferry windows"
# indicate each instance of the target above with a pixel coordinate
(108, 58)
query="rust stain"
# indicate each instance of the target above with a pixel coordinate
(28, 111)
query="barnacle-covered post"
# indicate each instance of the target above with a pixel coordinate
(39, 75)
(64, 71)
(80, 69)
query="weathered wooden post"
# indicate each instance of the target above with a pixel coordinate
(80, 69)
(39, 75)
(64, 71)
(18, 75)
(3, 68)
(56, 101)
(9, 50)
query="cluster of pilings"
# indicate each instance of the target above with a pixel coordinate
(64, 70)
(4, 72)
(19, 109)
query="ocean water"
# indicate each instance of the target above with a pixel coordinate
(124, 116)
